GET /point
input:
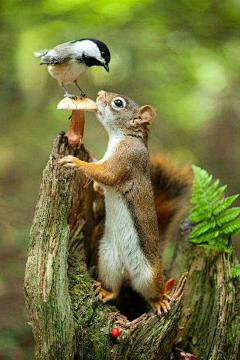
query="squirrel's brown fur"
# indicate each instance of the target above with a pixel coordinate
(135, 218)
(172, 188)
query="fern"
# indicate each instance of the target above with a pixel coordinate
(215, 221)
(235, 271)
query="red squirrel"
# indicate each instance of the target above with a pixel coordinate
(142, 200)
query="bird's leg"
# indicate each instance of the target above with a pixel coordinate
(82, 93)
(72, 96)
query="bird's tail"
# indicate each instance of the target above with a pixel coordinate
(172, 189)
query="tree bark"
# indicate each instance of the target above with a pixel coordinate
(67, 320)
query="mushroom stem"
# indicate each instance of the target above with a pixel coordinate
(78, 107)
(76, 129)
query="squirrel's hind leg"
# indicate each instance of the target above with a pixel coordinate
(109, 271)
(163, 301)
(149, 283)
(102, 294)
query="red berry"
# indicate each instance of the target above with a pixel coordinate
(115, 332)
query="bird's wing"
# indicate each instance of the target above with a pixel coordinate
(51, 59)
(57, 55)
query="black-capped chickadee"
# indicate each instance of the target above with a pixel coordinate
(66, 62)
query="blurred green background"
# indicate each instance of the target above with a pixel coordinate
(181, 56)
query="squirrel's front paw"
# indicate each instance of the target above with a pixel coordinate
(70, 162)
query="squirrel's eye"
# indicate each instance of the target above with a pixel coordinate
(118, 103)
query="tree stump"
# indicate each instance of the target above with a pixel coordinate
(67, 320)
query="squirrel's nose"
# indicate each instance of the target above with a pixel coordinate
(101, 94)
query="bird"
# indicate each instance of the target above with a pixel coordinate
(67, 61)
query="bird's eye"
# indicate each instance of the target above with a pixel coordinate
(118, 103)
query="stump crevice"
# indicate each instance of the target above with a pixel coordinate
(67, 319)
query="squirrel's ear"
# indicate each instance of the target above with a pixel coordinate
(147, 115)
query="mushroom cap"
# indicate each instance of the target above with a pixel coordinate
(80, 103)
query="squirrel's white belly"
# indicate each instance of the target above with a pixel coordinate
(121, 243)
(67, 71)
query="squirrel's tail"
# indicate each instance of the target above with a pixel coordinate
(172, 189)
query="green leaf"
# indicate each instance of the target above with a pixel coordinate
(215, 222)
(202, 178)
(212, 188)
(234, 233)
(229, 250)
(216, 195)
(235, 271)
(223, 204)
(201, 210)
(202, 227)
(210, 235)
(212, 247)
(228, 215)
(231, 227)
(200, 215)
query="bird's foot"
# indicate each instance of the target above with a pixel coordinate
(71, 96)
(83, 94)
(102, 294)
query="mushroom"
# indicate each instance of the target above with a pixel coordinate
(78, 107)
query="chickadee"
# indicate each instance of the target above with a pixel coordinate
(66, 62)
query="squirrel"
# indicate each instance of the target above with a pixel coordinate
(142, 201)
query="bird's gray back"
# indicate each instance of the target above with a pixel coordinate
(58, 54)
(71, 50)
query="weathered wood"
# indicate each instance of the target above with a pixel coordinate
(210, 321)
(66, 317)
(46, 282)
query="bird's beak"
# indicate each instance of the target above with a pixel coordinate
(106, 67)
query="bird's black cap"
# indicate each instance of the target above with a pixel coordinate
(102, 47)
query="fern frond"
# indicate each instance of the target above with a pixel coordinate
(228, 215)
(217, 194)
(212, 247)
(231, 226)
(202, 228)
(208, 237)
(215, 222)
(201, 214)
(212, 188)
(235, 271)
(223, 204)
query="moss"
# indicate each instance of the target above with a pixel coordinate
(67, 319)
(210, 301)
(93, 320)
